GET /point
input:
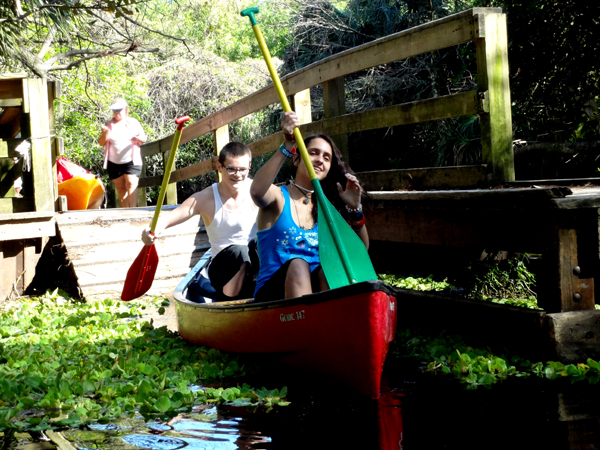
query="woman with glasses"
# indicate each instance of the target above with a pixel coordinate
(229, 215)
(121, 137)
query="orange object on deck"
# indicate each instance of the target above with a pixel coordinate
(83, 192)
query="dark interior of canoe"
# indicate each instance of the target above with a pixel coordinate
(182, 294)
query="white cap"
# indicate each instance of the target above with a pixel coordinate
(118, 103)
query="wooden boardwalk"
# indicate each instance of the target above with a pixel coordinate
(102, 244)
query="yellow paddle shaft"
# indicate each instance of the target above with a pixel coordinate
(283, 99)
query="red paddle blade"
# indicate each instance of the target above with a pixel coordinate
(141, 274)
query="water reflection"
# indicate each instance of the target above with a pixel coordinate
(425, 414)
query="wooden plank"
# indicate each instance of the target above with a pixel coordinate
(8, 150)
(425, 178)
(481, 199)
(36, 99)
(9, 251)
(460, 228)
(29, 228)
(576, 335)
(10, 102)
(16, 205)
(492, 76)
(102, 245)
(334, 104)
(438, 108)
(442, 33)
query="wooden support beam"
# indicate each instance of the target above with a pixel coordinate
(425, 178)
(334, 98)
(566, 283)
(494, 91)
(35, 102)
(301, 104)
(576, 335)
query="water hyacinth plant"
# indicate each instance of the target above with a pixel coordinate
(64, 364)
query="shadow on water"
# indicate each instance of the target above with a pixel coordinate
(414, 412)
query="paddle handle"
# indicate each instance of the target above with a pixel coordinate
(165, 182)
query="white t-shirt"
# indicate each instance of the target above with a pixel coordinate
(121, 149)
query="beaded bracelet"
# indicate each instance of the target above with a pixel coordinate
(287, 153)
(289, 137)
(356, 210)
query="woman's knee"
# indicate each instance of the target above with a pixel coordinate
(131, 182)
(298, 268)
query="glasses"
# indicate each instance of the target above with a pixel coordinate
(234, 170)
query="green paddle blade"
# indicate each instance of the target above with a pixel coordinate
(343, 254)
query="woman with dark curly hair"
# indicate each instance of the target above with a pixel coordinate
(288, 235)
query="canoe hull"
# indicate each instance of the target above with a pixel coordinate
(343, 334)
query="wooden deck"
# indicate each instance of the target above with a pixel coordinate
(102, 244)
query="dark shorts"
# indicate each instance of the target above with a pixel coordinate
(117, 170)
(274, 289)
(227, 263)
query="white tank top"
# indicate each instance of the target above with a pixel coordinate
(232, 227)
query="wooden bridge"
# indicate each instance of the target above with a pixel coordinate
(420, 208)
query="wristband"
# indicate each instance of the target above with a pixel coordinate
(355, 217)
(287, 153)
(289, 137)
(357, 225)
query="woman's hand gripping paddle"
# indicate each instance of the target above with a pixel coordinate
(335, 235)
(141, 273)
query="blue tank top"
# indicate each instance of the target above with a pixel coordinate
(284, 241)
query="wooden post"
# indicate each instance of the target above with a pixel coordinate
(221, 138)
(53, 93)
(35, 101)
(494, 92)
(567, 282)
(334, 97)
(301, 102)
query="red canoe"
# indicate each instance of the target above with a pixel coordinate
(343, 334)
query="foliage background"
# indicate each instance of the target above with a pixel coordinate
(195, 57)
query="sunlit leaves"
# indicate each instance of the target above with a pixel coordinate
(475, 367)
(105, 363)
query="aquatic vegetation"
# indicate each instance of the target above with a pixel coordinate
(449, 355)
(64, 364)
(416, 283)
(485, 282)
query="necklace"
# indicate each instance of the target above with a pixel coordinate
(298, 214)
(307, 192)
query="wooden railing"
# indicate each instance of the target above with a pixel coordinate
(491, 99)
